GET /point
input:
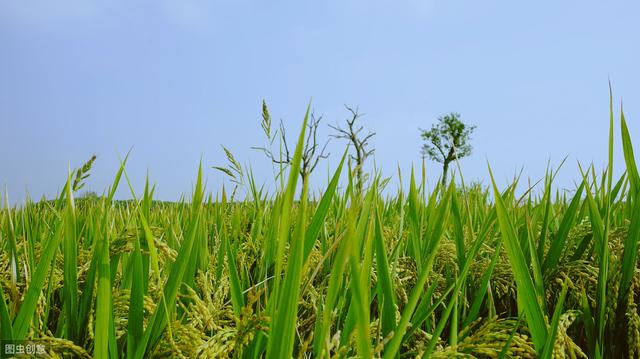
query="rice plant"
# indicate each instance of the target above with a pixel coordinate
(458, 271)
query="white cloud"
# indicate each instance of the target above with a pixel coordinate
(44, 12)
(194, 14)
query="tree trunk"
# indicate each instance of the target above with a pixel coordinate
(359, 173)
(445, 168)
(445, 164)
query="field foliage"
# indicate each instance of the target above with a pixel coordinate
(455, 271)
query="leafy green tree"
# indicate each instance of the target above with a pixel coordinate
(447, 140)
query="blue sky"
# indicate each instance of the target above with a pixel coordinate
(176, 79)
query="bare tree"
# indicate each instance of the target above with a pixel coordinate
(310, 154)
(360, 142)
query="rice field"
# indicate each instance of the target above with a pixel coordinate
(458, 270)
